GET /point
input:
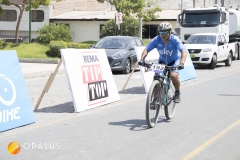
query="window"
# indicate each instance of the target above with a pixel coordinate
(223, 39)
(139, 43)
(223, 17)
(219, 39)
(8, 15)
(133, 43)
(37, 16)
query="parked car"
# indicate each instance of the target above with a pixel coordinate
(210, 49)
(120, 51)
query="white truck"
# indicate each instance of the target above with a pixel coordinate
(209, 49)
(215, 19)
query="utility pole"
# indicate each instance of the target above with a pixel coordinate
(181, 5)
(140, 28)
(30, 21)
(193, 3)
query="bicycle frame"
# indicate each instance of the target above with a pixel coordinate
(166, 77)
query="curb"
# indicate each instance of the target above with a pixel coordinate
(37, 60)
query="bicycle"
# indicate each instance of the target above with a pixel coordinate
(161, 92)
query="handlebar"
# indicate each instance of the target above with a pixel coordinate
(148, 65)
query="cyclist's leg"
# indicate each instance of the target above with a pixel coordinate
(156, 77)
(175, 80)
(176, 83)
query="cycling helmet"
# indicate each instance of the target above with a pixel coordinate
(164, 26)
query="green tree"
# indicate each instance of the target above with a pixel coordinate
(23, 5)
(129, 27)
(54, 32)
(145, 9)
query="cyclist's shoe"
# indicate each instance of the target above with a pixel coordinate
(177, 97)
(153, 104)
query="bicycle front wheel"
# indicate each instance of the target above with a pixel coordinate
(170, 107)
(153, 104)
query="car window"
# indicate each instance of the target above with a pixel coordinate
(133, 43)
(223, 39)
(112, 43)
(139, 43)
(201, 39)
(219, 39)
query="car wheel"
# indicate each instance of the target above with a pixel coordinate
(213, 63)
(228, 62)
(127, 68)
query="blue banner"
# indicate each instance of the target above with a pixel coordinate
(189, 71)
(15, 106)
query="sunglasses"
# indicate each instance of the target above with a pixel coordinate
(164, 32)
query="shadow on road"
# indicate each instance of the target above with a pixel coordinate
(136, 124)
(133, 90)
(119, 72)
(205, 67)
(60, 108)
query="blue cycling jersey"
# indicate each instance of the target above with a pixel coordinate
(169, 53)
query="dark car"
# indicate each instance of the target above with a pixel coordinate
(120, 51)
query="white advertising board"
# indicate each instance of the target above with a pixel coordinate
(152, 57)
(187, 73)
(90, 78)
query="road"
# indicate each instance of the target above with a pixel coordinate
(206, 124)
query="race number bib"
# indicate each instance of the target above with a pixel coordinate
(157, 68)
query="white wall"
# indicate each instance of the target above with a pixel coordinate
(84, 30)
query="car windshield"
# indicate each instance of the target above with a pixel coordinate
(112, 43)
(201, 39)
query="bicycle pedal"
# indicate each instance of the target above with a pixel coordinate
(153, 105)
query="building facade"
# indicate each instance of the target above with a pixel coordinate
(85, 17)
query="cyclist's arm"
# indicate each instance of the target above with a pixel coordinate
(182, 49)
(144, 54)
(151, 45)
(183, 56)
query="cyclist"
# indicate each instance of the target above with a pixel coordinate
(171, 52)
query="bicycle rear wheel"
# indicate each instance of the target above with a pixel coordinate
(153, 104)
(170, 107)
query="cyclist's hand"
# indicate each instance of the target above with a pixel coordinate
(181, 66)
(141, 63)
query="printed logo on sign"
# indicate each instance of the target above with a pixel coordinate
(5, 90)
(97, 90)
(7, 98)
(92, 77)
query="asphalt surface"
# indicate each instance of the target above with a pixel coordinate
(118, 131)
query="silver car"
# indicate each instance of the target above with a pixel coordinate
(120, 51)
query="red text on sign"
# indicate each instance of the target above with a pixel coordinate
(91, 73)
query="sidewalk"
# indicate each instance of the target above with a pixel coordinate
(33, 70)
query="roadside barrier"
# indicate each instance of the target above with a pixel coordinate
(15, 106)
(89, 77)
